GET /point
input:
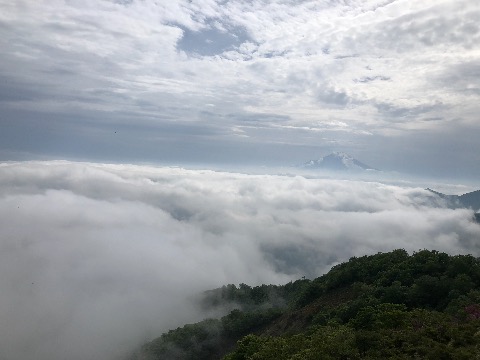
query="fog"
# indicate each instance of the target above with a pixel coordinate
(96, 258)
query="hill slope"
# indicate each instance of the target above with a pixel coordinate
(388, 305)
(469, 200)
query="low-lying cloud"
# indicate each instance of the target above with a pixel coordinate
(97, 258)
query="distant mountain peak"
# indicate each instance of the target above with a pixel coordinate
(337, 161)
(341, 154)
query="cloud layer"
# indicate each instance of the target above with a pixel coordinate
(98, 258)
(208, 80)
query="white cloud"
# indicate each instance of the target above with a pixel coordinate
(132, 47)
(97, 258)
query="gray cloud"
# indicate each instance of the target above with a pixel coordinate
(332, 96)
(98, 258)
(463, 77)
(367, 79)
(402, 114)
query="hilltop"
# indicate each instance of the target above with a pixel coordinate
(383, 306)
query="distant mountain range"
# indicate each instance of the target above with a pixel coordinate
(468, 200)
(337, 161)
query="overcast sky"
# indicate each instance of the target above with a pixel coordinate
(394, 83)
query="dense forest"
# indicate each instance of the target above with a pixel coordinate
(384, 306)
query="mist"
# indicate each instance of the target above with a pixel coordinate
(98, 258)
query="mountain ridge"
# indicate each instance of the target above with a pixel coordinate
(470, 200)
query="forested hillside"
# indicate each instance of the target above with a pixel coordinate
(385, 306)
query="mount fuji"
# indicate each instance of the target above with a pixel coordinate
(337, 161)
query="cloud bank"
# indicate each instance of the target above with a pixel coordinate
(98, 258)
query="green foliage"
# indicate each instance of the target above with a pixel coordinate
(192, 341)
(250, 298)
(239, 322)
(309, 293)
(426, 306)
(206, 339)
(388, 331)
(384, 306)
(426, 279)
(319, 343)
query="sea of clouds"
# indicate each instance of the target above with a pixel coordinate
(98, 258)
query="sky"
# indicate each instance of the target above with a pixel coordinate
(96, 259)
(394, 83)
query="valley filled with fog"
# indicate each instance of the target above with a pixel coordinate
(98, 258)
